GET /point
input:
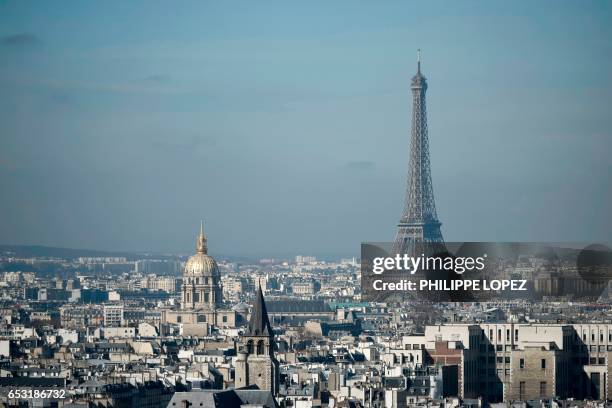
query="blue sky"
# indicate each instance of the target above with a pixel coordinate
(286, 125)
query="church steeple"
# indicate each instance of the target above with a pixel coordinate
(259, 324)
(256, 364)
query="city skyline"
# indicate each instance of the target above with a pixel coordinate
(270, 122)
(231, 204)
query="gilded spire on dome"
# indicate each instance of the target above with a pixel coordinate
(201, 246)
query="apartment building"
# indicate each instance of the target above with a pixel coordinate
(113, 315)
(525, 361)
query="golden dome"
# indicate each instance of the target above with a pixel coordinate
(201, 264)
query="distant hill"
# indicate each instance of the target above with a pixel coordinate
(69, 253)
(28, 251)
(41, 251)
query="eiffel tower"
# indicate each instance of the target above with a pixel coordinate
(419, 223)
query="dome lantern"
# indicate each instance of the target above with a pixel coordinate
(201, 247)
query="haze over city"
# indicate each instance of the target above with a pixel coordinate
(287, 127)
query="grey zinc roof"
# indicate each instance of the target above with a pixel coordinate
(225, 398)
(298, 306)
(257, 397)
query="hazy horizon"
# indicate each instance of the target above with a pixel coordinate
(286, 126)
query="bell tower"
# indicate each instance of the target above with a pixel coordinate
(256, 364)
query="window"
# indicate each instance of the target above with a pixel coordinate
(498, 334)
(260, 347)
(515, 334)
(542, 388)
(179, 319)
(543, 363)
(595, 385)
(224, 319)
(507, 360)
(522, 363)
(206, 297)
(507, 334)
(522, 390)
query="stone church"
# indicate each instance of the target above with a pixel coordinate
(201, 299)
(256, 364)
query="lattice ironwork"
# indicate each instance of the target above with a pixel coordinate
(419, 222)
